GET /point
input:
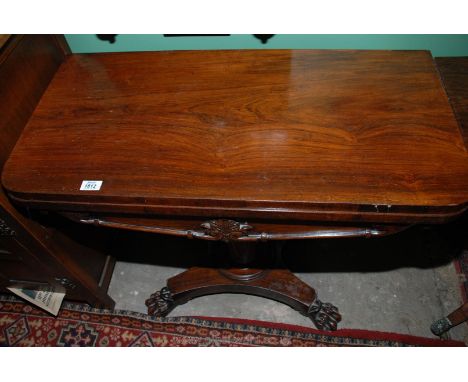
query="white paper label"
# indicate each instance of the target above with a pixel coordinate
(91, 185)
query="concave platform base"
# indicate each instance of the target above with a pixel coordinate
(276, 284)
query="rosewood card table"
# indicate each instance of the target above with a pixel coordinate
(242, 147)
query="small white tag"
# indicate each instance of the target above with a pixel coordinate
(91, 185)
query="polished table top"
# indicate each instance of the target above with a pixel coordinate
(311, 135)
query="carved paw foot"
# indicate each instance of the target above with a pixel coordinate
(160, 303)
(325, 316)
(441, 326)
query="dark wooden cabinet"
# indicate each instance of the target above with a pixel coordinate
(30, 252)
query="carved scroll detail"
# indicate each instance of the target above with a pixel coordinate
(5, 230)
(225, 229)
(230, 230)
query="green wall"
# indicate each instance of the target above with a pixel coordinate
(439, 45)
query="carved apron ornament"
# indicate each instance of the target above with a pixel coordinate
(225, 229)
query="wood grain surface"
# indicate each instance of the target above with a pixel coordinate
(311, 135)
(3, 39)
(454, 72)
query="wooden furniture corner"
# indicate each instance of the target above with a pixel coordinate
(454, 74)
(30, 253)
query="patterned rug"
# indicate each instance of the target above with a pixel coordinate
(79, 325)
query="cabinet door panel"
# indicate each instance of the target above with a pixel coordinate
(17, 264)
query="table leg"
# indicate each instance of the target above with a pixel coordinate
(455, 318)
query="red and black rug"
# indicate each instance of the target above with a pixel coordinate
(79, 325)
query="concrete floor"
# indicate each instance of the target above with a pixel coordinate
(401, 296)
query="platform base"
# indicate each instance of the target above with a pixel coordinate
(276, 284)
